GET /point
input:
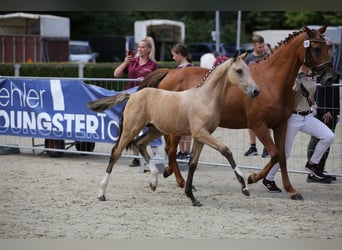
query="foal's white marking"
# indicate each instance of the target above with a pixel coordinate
(154, 172)
(104, 184)
(239, 172)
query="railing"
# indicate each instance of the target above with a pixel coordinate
(237, 141)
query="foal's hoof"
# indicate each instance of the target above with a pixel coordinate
(245, 191)
(153, 187)
(251, 178)
(102, 198)
(297, 197)
(196, 203)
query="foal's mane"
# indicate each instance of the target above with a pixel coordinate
(218, 71)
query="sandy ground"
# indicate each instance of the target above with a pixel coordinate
(56, 198)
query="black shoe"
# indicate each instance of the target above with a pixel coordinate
(180, 155)
(186, 155)
(312, 178)
(251, 151)
(314, 171)
(265, 153)
(135, 163)
(333, 178)
(270, 186)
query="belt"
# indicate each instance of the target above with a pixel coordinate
(303, 113)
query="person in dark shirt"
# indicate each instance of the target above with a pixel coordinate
(328, 111)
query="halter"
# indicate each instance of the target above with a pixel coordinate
(309, 61)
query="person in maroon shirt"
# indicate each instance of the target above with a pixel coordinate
(137, 67)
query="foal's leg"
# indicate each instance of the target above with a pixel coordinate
(128, 134)
(262, 132)
(195, 154)
(205, 137)
(142, 143)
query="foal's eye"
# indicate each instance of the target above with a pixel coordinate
(239, 71)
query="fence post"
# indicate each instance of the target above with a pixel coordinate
(17, 69)
(80, 70)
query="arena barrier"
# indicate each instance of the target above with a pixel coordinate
(236, 139)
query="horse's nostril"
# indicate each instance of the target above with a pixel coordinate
(256, 92)
(328, 81)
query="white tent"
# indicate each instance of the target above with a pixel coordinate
(163, 31)
(34, 24)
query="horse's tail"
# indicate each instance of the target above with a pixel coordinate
(107, 102)
(153, 79)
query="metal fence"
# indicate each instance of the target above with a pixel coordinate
(236, 139)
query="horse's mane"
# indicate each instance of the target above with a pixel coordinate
(154, 78)
(285, 41)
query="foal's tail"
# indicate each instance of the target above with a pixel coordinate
(107, 102)
(153, 79)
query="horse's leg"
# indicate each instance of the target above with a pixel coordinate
(205, 137)
(142, 142)
(263, 134)
(279, 137)
(195, 154)
(277, 153)
(171, 143)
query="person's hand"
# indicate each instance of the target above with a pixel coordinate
(327, 117)
(128, 59)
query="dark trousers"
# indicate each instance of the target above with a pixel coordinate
(313, 142)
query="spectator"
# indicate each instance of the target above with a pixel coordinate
(268, 48)
(183, 59)
(257, 54)
(137, 68)
(328, 110)
(219, 58)
(303, 120)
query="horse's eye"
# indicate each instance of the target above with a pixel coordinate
(239, 71)
(317, 50)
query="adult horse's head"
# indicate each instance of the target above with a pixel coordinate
(239, 73)
(317, 56)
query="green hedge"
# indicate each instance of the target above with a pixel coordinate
(98, 70)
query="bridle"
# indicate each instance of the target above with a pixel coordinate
(309, 61)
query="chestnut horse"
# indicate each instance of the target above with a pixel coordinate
(163, 113)
(271, 109)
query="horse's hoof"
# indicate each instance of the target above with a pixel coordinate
(102, 198)
(297, 197)
(166, 172)
(251, 178)
(196, 203)
(153, 187)
(245, 191)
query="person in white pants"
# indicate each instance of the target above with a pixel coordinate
(303, 120)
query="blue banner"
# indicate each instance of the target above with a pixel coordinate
(56, 109)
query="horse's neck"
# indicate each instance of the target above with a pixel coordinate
(283, 65)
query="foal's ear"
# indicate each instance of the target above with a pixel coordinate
(235, 55)
(243, 56)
